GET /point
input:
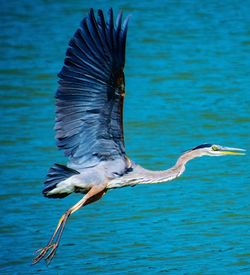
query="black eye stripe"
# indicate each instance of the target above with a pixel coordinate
(205, 145)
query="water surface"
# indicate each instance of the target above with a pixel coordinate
(187, 82)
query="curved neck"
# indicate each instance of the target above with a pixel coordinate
(150, 176)
(171, 173)
(140, 175)
(186, 157)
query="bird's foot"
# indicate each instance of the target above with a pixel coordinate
(47, 252)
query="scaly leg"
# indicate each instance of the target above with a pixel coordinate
(48, 252)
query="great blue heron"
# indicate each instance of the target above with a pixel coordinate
(89, 123)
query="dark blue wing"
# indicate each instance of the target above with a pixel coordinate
(89, 99)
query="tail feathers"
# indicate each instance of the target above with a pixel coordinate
(56, 174)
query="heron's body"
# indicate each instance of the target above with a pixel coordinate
(94, 176)
(86, 178)
(89, 123)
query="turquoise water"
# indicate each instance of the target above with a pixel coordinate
(187, 82)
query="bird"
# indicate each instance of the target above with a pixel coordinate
(89, 123)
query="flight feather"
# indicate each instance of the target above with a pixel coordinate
(89, 99)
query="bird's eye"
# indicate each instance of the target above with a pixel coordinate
(215, 148)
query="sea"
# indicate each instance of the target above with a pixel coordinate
(187, 83)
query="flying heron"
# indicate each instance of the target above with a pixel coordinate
(89, 123)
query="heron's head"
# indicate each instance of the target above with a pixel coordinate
(208, 150)
(216, 150)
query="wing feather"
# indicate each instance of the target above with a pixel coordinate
(89, 100)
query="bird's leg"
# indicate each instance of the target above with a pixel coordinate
(94, 194)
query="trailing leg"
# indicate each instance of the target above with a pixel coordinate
(48, 252)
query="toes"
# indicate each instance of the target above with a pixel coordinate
(43, 251)
(38, 250)
(52, 253)
(40, 256)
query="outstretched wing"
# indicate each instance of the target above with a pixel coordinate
(89, 99)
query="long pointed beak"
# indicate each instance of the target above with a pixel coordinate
(232, 151)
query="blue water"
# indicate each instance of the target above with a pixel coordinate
(187, 82)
